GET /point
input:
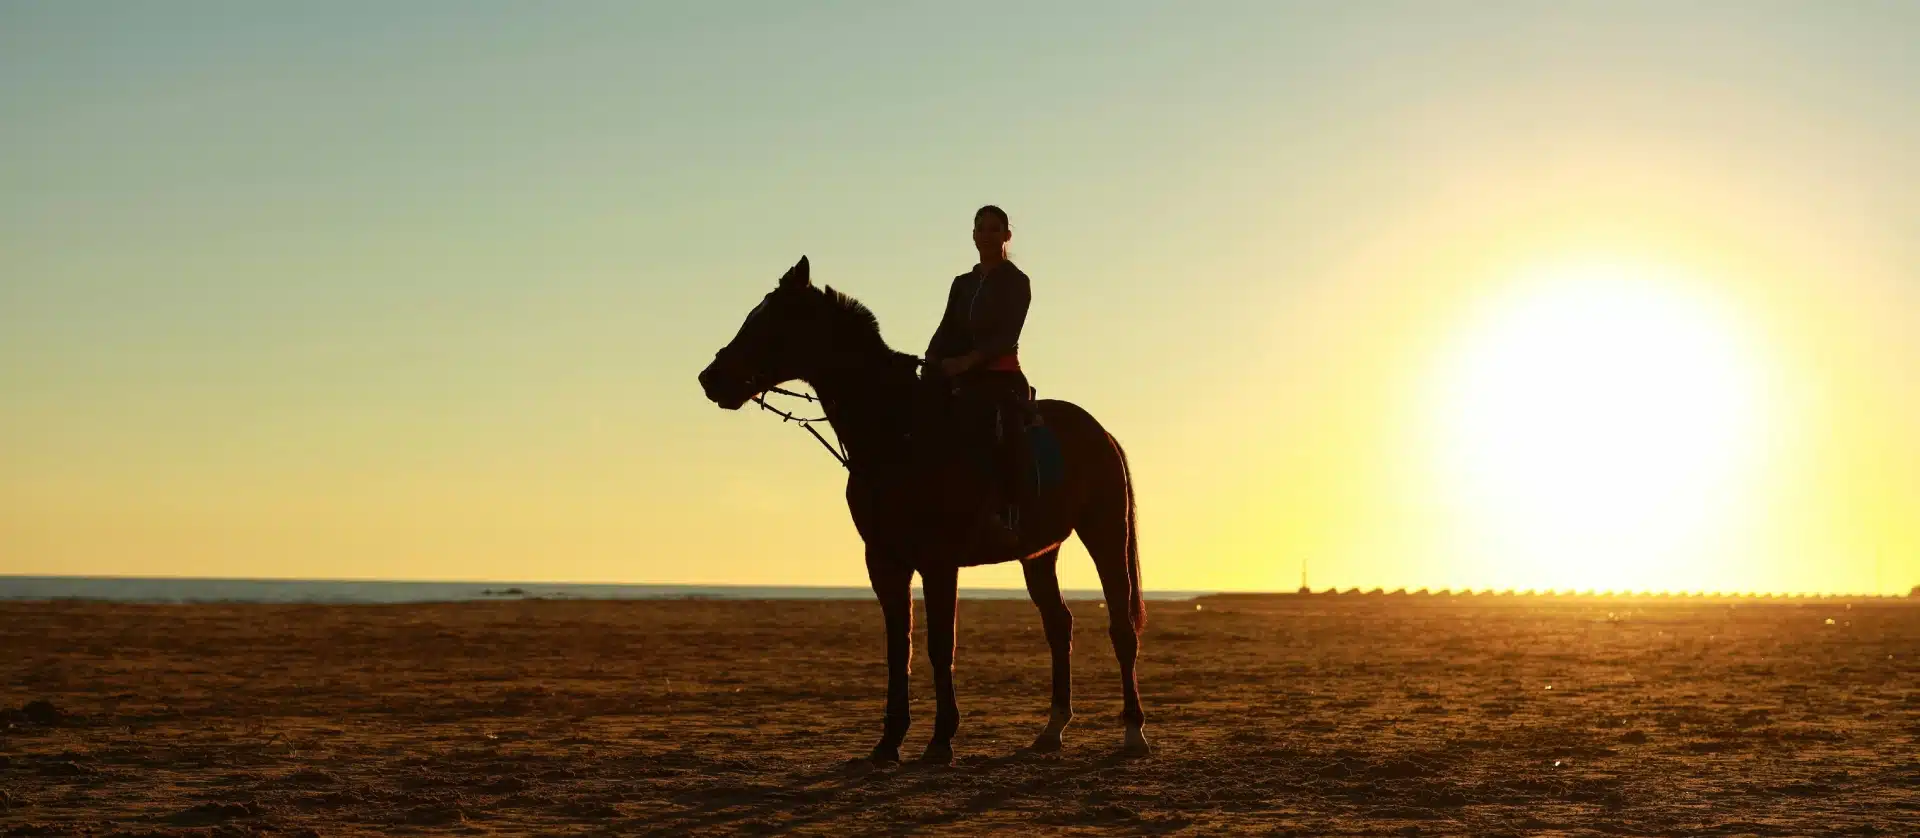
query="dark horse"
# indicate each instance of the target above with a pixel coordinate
(911, 493)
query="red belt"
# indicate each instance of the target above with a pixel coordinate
(1005, 363)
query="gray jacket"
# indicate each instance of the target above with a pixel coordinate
(984, 313)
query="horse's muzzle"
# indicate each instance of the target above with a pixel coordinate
(727, 391)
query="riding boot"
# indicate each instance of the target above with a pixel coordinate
(1014, 488)
(1002, 514)
(1009, 468)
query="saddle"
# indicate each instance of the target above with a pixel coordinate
(1041, 464)
(962, 420)
(1029, 414)
(1005, 442)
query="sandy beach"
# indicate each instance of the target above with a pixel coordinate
(1280, 716)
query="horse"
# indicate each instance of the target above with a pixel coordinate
(907, 487)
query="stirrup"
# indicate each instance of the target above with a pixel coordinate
(1003, 519)
(1002, 528)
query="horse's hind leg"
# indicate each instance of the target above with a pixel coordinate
(1043, 586)
(1107, 533)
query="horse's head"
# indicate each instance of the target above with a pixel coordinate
(783, 338)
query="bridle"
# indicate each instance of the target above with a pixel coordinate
(760, 398)
(839, 453)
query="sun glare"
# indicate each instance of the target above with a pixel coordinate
(1597, 424)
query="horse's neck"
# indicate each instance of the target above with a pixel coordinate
(867, 402)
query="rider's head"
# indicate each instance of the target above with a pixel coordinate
(991, 232)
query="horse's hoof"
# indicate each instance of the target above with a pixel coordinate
(1046, 744)
(937, 754)
(1136, 745)
(882, 757)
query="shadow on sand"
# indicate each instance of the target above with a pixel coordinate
(814, 798)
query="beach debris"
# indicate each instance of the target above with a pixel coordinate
(66, 768)
(311, 777)
(39, 713)
(1336, 770)
(433, 814)
(1829, 621)
(504, 785)
(42, 712)
(206, 813)
(1397, 769)
(590, 808)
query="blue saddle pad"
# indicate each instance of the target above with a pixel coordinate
(1049, 466)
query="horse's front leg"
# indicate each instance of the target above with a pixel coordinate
(893, 584)
(941, 587)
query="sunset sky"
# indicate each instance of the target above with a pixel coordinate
(1427, 294)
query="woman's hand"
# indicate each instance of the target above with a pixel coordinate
(956, 366)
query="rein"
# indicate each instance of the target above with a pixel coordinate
(807, 422)
(839, 453)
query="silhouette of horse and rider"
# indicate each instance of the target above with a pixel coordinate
(953, 463)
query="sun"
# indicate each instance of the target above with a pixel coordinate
(1595, 425)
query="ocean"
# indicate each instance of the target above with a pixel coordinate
(372, 592)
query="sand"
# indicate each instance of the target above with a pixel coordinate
(1304, 716)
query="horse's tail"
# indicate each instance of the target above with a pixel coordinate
(1136, 603)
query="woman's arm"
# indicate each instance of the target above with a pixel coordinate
(951, 322)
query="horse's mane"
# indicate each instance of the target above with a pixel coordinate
(854, 319)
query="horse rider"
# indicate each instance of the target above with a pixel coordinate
(977, 345)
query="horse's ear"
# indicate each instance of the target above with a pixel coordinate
(797, 276)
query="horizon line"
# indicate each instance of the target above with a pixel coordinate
(1495, 591)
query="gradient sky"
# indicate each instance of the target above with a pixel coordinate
(419, 290)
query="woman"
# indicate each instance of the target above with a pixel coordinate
(978, 343)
